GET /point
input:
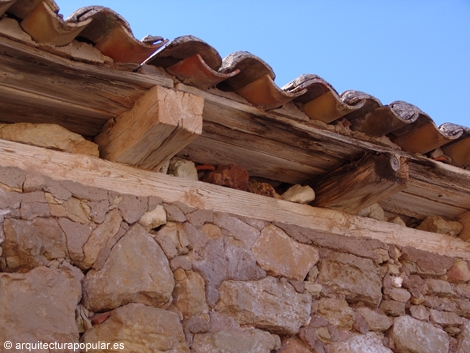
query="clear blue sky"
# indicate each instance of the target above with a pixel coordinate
(412, 50)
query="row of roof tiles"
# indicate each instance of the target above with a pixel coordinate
(196, 63)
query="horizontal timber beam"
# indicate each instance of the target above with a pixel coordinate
(160, 124)
(358, 185)
(40, 87)
(96, 172)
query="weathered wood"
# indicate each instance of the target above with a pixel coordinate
(50, 89)
(160, 124)
(465, 220)
(120, 178)
(283, 146)
(358, 185)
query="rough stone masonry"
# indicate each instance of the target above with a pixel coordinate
(81, 264)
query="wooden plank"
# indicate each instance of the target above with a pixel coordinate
(63, 86)
(22, 106)
(96, 172)
(257, 162)
(416, 206)
(355, 186)
(160, 124)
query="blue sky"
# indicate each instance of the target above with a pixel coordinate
(416, 51)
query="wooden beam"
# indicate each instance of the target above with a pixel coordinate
(120, 178)
(159, 125)
(355, 186)
(282, 145)
(38, 87)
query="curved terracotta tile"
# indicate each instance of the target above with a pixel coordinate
(251, 68)
(364, 103)
(184, 47)
(386, 119)
(22, 8)
(194, 71)
(45, 26)
(458, 150)
(113, 36)
(5, 5)
(322, 102)
(427, 137)
(255, 82)
(192, 61)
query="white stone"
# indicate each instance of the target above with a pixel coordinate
(154, 218)
(182, 168)
(369, 343)
(299, 194)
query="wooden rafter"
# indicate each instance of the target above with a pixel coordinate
(159, 125)
(355, 186)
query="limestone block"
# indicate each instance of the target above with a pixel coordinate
(399, 294)
(182, 168)
(237, 228)
(99, 237)
(375, 321)
(48, 135)
(393, 307)
(277, 252)
(132, 207)
(236, 341)
(357, 278)
(439, 287)
(32, 243)
(459, 272)
(84, 192)
(337, 312)
(425, 263)
(77, 235)
(369, 343)
(419, 312)
(140, 328)
(413, 336)
(189, 294)
(299, 194)
(137, 271)
(172, 239)
(34, 205)
(266, 304)
(397, 220)
(174, 213)
(445, 318)
(294, 345)
(438, 224)
(373, 211)
(464, 338)
(40, 305)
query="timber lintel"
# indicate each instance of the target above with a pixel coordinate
(357, 185)
(161, 123)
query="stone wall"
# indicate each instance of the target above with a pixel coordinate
(80, 264)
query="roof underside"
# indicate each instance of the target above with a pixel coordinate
(83, 71)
